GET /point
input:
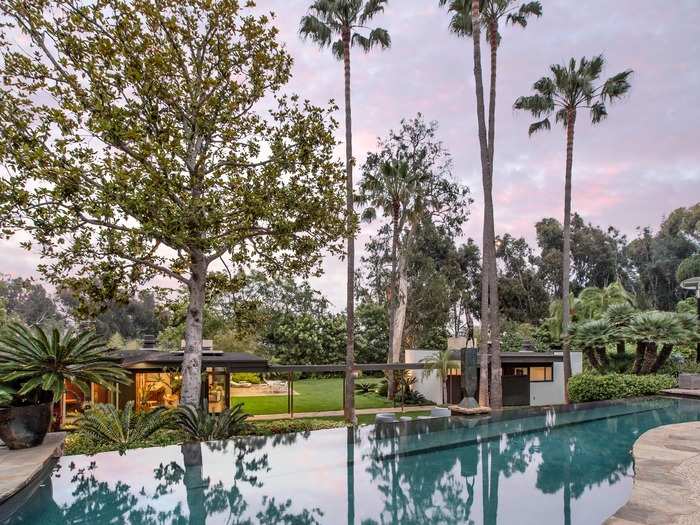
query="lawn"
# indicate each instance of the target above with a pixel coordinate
(312, 395)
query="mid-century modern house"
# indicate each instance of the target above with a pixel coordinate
(529, 378)
(156, 378)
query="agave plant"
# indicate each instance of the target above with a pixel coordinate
(200, 425)
(650, 330)
(592, 337)
(41, 363)
(121, 429)
(364, 388)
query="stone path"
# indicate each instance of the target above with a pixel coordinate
(18, 467)
(333, 413)
(682, 392)
(666, 478)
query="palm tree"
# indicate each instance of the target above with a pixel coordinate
(440, 363)
(467, 20)
(619, 316)
(571, 87)
(346, 19)
(592, 337)
(393, 189)
(594, 301)
(652, 329)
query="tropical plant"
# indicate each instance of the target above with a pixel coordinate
(592, 337)
(364, 388)
(106, 425)
(41, 363)
(571, 87)
(440, 363)
(346, 19)
(199, 425)
(619, 316)
(594, 301)
(651, 330)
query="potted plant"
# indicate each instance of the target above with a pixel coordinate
(34, 368)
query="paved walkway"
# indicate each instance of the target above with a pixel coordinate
(666, 478)
(18, 467)
(682, 392)
(335, 413)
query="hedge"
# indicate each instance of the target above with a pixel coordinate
(595, 387)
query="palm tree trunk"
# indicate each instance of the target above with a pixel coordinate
(496, 371)
(602, 355)
(566, 251)
(349, 405)
(488, 247)
(620, 345)
(393, 296)
(650, 357)
(639, 357)
(592, 358)
(663, 356)
(192, 356)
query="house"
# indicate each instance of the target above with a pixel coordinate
(156, 377)
(529, 378)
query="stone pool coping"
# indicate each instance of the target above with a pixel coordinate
(19, 467)
(666, 487)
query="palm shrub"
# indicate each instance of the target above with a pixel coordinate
(440, 363)
(106, 425)
(592, 337)
(619, 316)
(199, 425)
(651, 330)
(40, 363)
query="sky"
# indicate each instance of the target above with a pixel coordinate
(629, 171)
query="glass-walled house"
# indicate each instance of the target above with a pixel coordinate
(156, 379)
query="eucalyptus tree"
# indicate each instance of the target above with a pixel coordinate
(571, 87)
(409, 180)
(341, 25)
(138, 143)
(468, 18)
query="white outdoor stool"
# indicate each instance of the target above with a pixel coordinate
(403, 419)
(424, 417)
(385, 417)
(440, 412)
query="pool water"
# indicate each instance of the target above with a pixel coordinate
(535, 466)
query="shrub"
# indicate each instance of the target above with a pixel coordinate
(594, 387)
(107, 426)
(364, 388)
(199, 425)
(287, 426)
(79, 443)
(382, 388)
(249, 377)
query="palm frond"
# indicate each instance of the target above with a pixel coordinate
(598, 112)
(370, 9)
(200, 425)
(616, 86)
(312, 28)
(525, 11)
(542, 125)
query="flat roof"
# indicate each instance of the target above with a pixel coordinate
(150, 359)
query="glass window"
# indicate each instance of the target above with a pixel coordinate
(515, 371)
(158, 389)
(540, 373)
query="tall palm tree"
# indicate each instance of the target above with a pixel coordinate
(594, 301)
(440, 363)
(346, 20)
(468, 17)
(572, 87)
(395, 189)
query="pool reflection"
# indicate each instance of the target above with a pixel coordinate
(546, 467)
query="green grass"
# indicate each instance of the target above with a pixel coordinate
(312, 395)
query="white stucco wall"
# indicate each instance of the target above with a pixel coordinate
(545, 393)
(428, 386)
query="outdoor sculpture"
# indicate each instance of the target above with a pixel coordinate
(468, 380)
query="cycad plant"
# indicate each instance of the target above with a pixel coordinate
(122, 429)
(592, 338)
(341, 25)
(619, 316)
(199, 425)
(572, 87)
(40, 363)
(651, 330)
(440, 363)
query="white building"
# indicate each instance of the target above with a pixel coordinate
(529, 378)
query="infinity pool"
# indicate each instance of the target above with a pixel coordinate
(536, 466)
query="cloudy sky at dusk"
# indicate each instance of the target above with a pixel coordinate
(629, 171)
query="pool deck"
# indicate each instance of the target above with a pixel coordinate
(687, 393)
(666, 478)
(336, 413)
(19, 467)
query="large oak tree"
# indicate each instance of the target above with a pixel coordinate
(151, 139)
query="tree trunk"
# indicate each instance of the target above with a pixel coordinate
(394, 292)
(400, 314)
(639, 357)
(488, 247)
(566, 251)
(602, 355)
(349, 407)
(192, 357)
(663, 356)
(650, 357)
(621, 350)
(592, 358)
